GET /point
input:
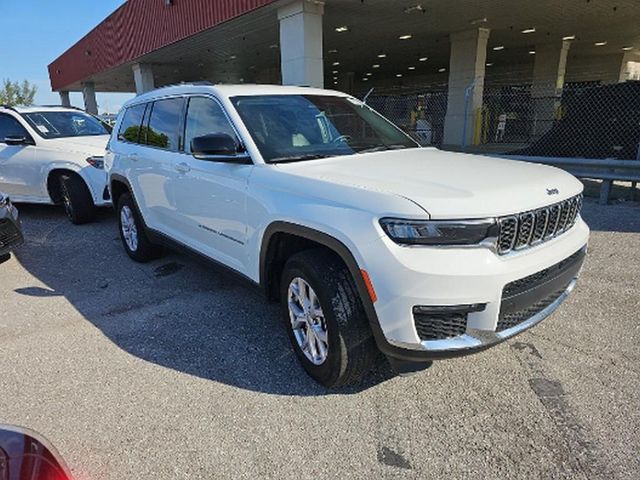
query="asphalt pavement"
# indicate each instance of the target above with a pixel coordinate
(173, 369)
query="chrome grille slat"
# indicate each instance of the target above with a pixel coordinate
(521, 231)
(542, 218)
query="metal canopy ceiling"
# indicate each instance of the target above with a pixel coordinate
(242, 48)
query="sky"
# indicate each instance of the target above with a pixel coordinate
(36, 32)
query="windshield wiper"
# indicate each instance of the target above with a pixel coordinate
(299, 158)
(382, 148)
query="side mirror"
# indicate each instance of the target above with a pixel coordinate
(218, 147)
(25, 454)
(16, 140)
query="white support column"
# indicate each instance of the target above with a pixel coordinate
(630, 67)
(64, 99)
(143, 77)
(89, 96)
(466, 84)
(301, 59)
(548, 79)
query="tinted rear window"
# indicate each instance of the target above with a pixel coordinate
(131, 124)
(165, 124)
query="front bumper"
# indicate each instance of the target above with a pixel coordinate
(473, 277)
(10, 229)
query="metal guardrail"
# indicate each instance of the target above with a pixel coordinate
(607, 170)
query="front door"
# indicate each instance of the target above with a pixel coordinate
(19, 175)
(210, 196)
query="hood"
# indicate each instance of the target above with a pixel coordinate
(447, 184)
(90, 144)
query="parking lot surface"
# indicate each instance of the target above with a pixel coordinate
(174, 370)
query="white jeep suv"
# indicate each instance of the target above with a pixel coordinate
(370, 242)
(54, 155)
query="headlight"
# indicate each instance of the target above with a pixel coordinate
(439, 232)
(96, 161)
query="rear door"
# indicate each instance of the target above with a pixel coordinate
(19, 174)
(153, 164)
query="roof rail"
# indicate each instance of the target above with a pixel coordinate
(61, 106)
(8, 107)
(179, 84)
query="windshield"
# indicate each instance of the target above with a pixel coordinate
(65, 124)
(303, 127)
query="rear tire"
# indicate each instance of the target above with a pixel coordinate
(350, 351)
(132, 232)
(76, 199)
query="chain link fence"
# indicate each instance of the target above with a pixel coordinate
(586, 120)
(418, 112)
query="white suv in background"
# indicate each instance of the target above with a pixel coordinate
(370, 242)
(54, 155)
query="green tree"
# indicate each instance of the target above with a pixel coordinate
(16, 93)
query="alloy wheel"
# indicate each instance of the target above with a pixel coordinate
(307, 321)
(129, 229)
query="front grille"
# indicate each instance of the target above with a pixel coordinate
(531, 281)
(512, 319)
(530, 228)
(9, 234)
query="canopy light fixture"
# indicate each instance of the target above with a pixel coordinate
(335, 64)
(442, 70)
(569, 37)
(368, 74)
(399, 75)
(333, 50)
(478, 21)
(415, 8)
(529, 30)
(408, 36)
(600, 44)
(423, 59)
(532, 52)
(411, 68)
(498, 48)
(342, 29)
(489, 64)
(382, 55)
(626, 49)
(375, 65)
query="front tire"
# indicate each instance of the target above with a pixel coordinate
(132, 233)
(325, 319)
(76, 199)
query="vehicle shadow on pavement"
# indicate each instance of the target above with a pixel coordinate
(177, 312)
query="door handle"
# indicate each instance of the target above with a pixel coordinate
(134, 157)
(182, 167)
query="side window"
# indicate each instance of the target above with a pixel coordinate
(10, 127)
(165, 123)
(130, 126)
(205, 116)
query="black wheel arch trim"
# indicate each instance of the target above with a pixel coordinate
(349, 260)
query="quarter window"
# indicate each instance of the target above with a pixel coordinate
(204, 117)
(10, 127)
(164, 124)
(130, 126)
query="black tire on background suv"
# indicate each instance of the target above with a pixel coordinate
(76, 199)
(318, 294)
(132, 232)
